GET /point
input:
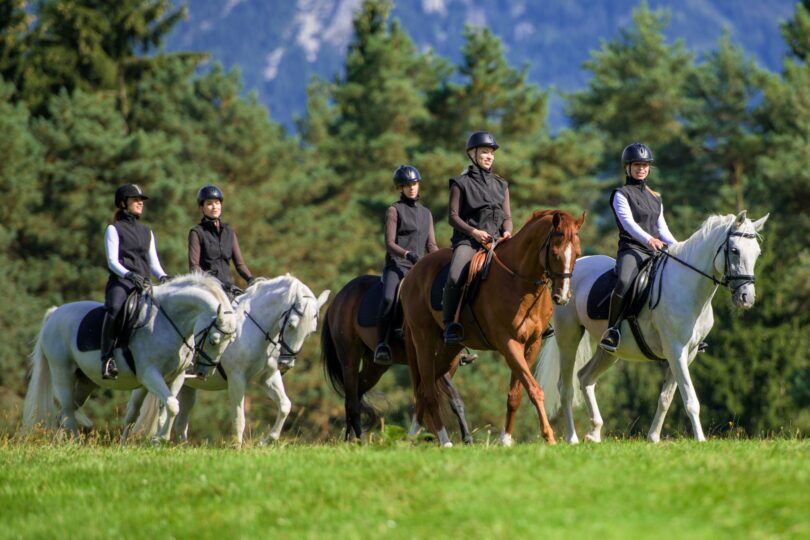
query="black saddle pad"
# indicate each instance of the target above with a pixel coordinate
(370, 305)
(88, 337)
(599, 296)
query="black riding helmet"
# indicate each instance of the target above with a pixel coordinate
(481, 138)
(406, 174)
(636, 153)
(209, 191)
(126, 191)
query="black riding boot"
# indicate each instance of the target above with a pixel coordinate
(612, 337)
(453, 331)
(108, 368)
(382, 354)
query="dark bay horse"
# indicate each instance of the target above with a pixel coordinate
(509, 313)
(347, 350)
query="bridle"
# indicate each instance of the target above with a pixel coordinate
(548, 274)
(201, 357)
(286, 350)
(728, 277)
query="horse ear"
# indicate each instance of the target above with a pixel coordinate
(555, 221)
(758, 224)
(219, 312)
(581, 220)
(741, 217)
(323, 298)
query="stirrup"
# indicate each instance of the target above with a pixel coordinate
(610, 340)
(702, 347)
(109, 370)
(467, 357)
(382, 355)
(453, 333)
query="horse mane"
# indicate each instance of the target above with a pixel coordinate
(566, 223)
(262, 286)
(707, 230)
(200, 279)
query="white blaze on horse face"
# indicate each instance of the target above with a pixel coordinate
(569, 261)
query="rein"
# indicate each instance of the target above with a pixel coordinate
(727, 278)
(547, 274)
(198, 348)
(286, 349)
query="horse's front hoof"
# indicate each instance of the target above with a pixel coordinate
(506, 440)
(448, 444)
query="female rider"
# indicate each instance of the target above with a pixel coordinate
(639, 215)
(131, 255)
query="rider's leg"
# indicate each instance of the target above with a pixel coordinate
(453, 331)
(114, 298)
(627, 265)
(391, 278)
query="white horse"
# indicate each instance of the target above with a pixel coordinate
(188, 315)
(723, 251)
(274, 317)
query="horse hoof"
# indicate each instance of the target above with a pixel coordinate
(593, 438)
(506, 440)
(572, 440)
(448, 444)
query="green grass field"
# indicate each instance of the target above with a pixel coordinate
(620, 489)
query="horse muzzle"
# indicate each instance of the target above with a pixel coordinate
(744, 297)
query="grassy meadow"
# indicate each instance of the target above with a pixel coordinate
(619, 489)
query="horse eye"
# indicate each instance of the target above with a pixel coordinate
(735, 251)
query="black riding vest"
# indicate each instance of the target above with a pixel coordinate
(413, 227)
(481, 203)
(216, 249)
(133, 244)
(645, 208)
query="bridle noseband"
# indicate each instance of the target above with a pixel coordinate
(728, 277)
(554, 232)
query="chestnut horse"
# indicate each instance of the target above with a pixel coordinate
(509, 313)
(347, 350)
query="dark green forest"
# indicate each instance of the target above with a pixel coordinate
(90, 99)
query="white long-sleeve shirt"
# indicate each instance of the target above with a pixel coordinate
(625, 215)
(111, 243)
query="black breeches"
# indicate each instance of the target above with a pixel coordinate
(462, 254)
(628, 263)
(391, 278)
(115, 295)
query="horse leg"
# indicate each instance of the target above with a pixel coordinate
(679, 364)
(236, 393)
(568, 345)
(152, 379)
(457, 406)
(513, 352)
(515, 395)
(428, 392)
(187, 396)
(84, 387)
(63, 379)
(664, 401)
(274, 386)
(350, 360)
(164, 434)
(133, 407)
(588, 375)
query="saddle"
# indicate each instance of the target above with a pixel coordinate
(638, 293)
(472, 276)
(88, 336)
(370, 307)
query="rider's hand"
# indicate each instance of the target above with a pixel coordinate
(412, 257)
(164, 278)
(482, 237)
(655, 243)
(137, 280)
(505, 235)
(250, 281)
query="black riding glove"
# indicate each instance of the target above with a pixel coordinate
(163, 279)
(250, 281)
(137, 280)
(412, 257)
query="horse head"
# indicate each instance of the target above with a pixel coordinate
(737, 257)
(559, 253)
(298, 320)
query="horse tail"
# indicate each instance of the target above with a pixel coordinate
(332, 368)
(147, 422)
(547, 372)
(39, 407)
